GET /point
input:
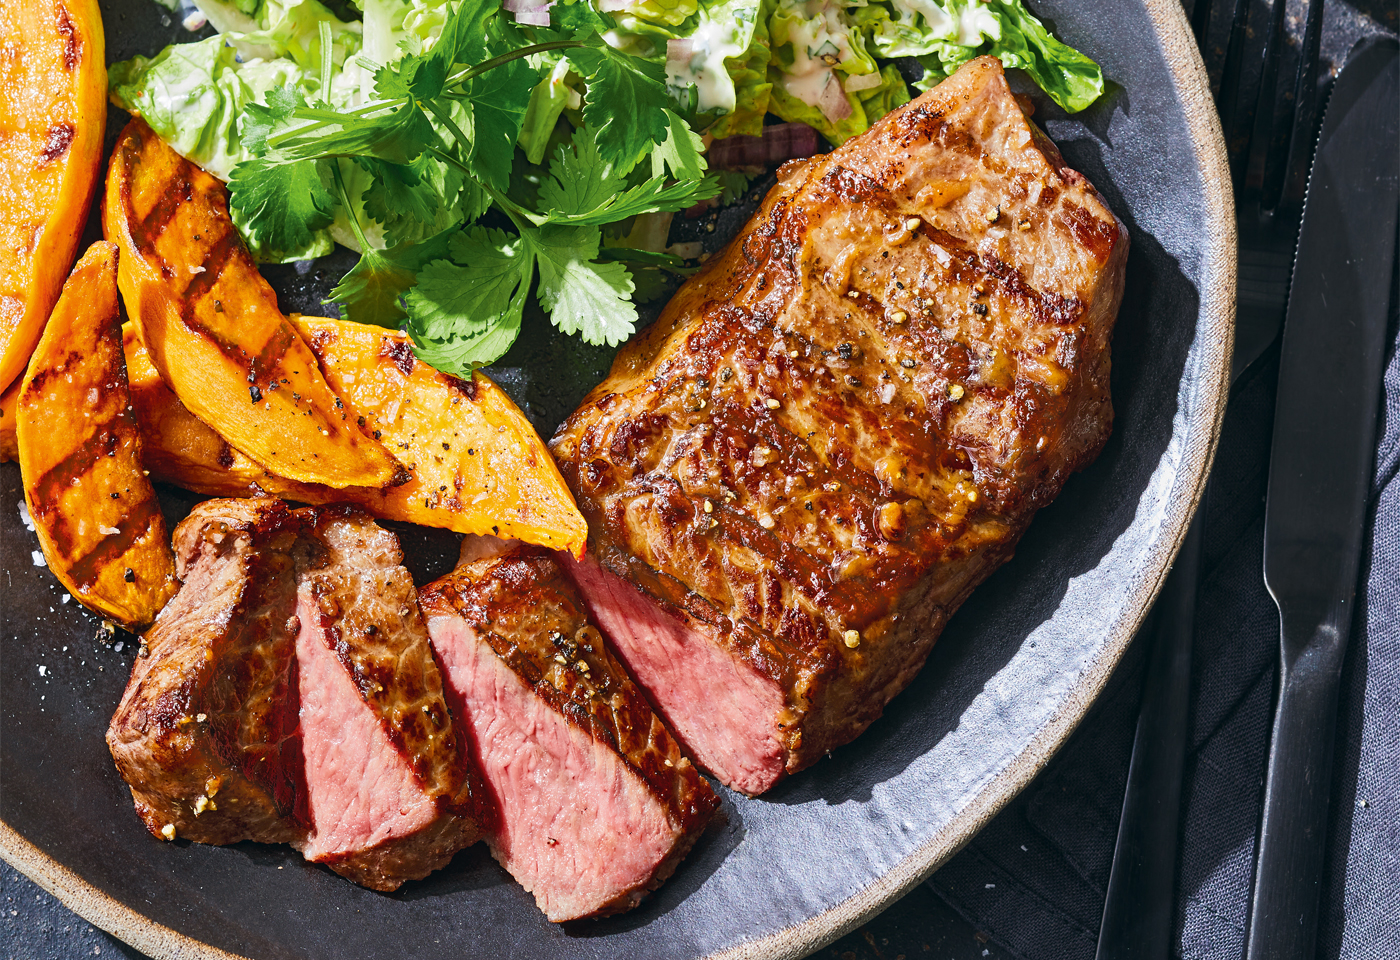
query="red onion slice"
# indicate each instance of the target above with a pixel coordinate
(833, 103)
(678, 52)
(779, 143)
(530, 12)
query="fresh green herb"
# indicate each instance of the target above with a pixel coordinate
(435, 149)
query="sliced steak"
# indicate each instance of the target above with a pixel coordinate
(391, 794)
(205, 734)
(598, 805)
(844, 423)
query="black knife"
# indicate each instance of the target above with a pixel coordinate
(1320, 475)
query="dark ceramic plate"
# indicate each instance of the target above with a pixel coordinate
(1013, 674)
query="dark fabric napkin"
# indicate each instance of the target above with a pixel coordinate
(1034, 879)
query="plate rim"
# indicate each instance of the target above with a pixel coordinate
(1217, 328)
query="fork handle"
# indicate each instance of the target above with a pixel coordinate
(1293, 832)
(1139, 901)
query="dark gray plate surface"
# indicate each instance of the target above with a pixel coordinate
(1012, 675)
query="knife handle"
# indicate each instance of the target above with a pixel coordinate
(1293, 831)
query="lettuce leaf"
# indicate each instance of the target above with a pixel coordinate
(945, 34)
(1070, 78)
(816, 41)
(552, 95)
(192, 94)
(670, 12)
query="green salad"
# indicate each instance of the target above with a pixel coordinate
(480, 152)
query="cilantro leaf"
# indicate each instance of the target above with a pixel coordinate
(398, 136)
(680, 153)
(280, 207)
(499, 98)
(460, 355)
(399, 193)
(370, 292)
(413, 76)
(584, 189)
(733, 185)
(466, 293)
(463, 37)
(579, 178)
(578, 18)
(590, 299)
(466, 311)
(626, 104)
(260, 121)
(653, 196)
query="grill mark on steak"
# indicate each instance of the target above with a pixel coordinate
(571, 749)
(910, 337)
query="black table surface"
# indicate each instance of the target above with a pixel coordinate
(34, 925)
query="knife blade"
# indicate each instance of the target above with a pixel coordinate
(1320, 476)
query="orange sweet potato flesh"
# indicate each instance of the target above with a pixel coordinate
(212, 326)
(471, 453)
(53, 110)
(9, 443)
(498, 475)
(93, 507)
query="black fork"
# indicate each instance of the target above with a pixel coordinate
(1270, 139)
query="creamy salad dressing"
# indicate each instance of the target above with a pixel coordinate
(820, 40)
(967, 27)
(703, 68)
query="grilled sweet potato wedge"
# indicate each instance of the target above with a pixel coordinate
(212, 326)
(98, 521)
(180, 448)
(9, 443)
(477, 465)
(495, 469)
(53, 109)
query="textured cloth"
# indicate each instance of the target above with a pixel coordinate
(1034, 879)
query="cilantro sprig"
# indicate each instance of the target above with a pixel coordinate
(412, 171)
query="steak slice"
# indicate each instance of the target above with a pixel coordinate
(391, 794)
(597, 804)
(844, 423)
(205, 734)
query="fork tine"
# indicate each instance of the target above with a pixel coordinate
(1289, 198)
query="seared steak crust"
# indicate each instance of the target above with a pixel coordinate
(846, 421)
(532, 617)
(516, 601)
(359, 602)
(205, 734)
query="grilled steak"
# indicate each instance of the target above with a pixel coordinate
(206, 732)
(391, 795)
(598, 805)
(844, 423)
